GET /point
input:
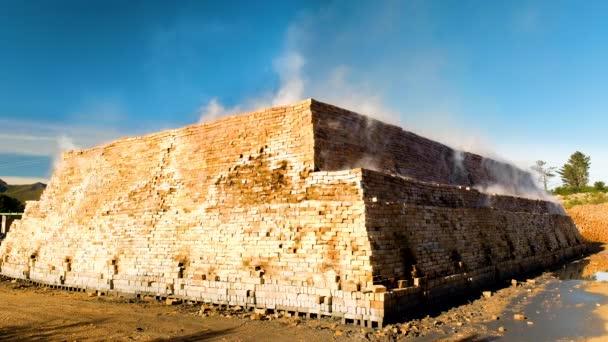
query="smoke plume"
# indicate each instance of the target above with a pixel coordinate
(406, 89)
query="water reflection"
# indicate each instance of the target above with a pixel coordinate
(574, 271)
(601, 276)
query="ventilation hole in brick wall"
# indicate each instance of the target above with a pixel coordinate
(267, 234)
(68, 264)
(456, 259)
(511, 247)
(180, 272)
(204, 277)
(487, 255)
(295, 250)
(531, 246)
(241, 156)
(408, 260)
(115, 266)
(547, 242)
(257, 268)
(532, 249)
(262, 150)
(281, 245)
(33, 256)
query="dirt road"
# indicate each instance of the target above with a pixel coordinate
(32, 313)
(559, 306)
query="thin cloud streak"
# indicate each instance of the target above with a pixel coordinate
(42, 139)
(12, 180)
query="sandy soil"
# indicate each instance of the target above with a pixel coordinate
(571, 309)
(602, 310)
(32, 313)
(591, 220)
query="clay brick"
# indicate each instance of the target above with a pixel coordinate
(301, 206)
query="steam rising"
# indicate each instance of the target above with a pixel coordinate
(64, 143)
(511, 181)
(289, 70)
(304, 75)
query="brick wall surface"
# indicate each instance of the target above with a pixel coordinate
(260, 209)
(437, 230)
(346, 140)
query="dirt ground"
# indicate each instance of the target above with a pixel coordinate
(591, 220)
(566, 309)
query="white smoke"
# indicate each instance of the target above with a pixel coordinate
(214, 110)
(65, 143)
(291, 89)
(509, 180)
(305, 70)
(289, 68)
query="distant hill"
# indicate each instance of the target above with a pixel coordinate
(22, 192)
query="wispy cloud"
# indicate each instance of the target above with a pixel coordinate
(96, 120)
(46, 139)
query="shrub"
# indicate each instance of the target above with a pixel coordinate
(10, 205)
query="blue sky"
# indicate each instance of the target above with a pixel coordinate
(519, 80)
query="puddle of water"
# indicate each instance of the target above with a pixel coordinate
(575, 271)
(572, 271)
(564, 311)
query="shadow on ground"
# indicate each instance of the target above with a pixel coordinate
(199, 336)
(35, 332)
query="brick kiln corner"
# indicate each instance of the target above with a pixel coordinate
(279, 209)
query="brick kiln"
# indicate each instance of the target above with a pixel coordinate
(305, 207)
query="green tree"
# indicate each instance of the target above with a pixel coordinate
(10, 205)
(544, 172)
(575, 173)
(599, 186)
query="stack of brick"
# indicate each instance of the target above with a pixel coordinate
(271, 209)
(346, 140)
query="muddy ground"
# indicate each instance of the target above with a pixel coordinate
(566, 305)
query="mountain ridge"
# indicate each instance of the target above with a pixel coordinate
(22, 192)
